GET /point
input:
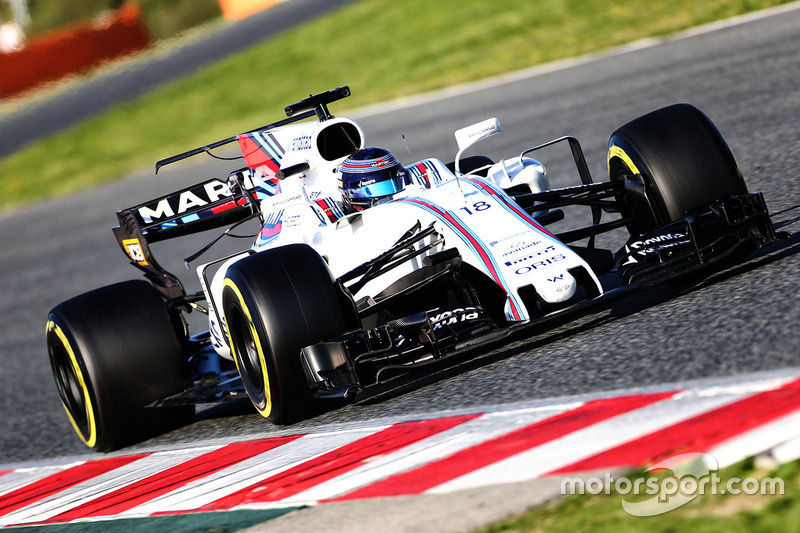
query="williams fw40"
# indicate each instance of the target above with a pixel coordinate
(362, 268)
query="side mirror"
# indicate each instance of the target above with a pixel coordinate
(466, 137)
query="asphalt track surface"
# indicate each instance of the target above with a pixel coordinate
(746, 77)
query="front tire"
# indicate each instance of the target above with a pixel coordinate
(275, 303)
(683, 158)
(113, 351)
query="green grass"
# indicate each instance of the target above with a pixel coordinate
(383, 50)
(164, 18)
(707, 513)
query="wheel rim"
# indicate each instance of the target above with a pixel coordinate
(69, 387)
(246, 352)
(69, 383)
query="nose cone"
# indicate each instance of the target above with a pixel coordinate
(557, 287)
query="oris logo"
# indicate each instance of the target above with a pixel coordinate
(545, 263)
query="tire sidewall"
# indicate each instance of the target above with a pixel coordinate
(124, 348)
(683, 158)
(292, 303)
(237, 297)
(91, 422)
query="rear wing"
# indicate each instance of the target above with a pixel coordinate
(209, 205)
(213, 203)
(307, 108)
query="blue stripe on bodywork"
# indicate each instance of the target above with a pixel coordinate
(477, 246)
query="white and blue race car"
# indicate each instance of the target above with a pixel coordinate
(352, 280)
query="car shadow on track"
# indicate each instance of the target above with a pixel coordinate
(236, 407)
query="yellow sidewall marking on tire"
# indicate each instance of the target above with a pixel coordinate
(616, 151)
(261, 359)
(91, 440)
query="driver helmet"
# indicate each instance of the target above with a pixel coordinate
(368, 176)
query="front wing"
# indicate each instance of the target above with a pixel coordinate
(708, 239)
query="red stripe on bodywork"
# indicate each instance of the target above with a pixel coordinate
(230, 205)
(497, 449)
(30, 494)
(255, 156)
(697, 434)
(337, 462)
(424, 171)
(511, 205)
(484, 256)
(173, 478)
(223, 207)
(478, 246)
(327, 209)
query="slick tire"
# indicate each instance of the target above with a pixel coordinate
(275, 303)
(113, 351)
(683, 159)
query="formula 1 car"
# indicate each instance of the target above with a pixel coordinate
(326, 303)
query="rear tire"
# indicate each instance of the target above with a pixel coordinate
(113, 351)
(683, 158)
(277, 302)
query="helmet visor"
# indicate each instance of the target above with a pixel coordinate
(378, 189)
